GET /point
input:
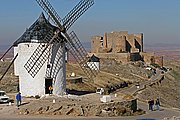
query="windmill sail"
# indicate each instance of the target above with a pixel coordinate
(47, 7)
(6, 52)
(76, 12)
(73, 43)
(79, 53)
(82, 56)
(56, 60)
(9, 67)
(40, 56)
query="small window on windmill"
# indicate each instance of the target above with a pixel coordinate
(101, 39)
(48, 66)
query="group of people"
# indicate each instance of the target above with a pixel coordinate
(154, 105)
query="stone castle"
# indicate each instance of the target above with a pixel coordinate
(122, 47)
(117, 42)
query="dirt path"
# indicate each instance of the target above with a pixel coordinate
(133, 89)
(162, 113)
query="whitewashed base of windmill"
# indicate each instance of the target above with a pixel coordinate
(30, 86)
(59, 81)
(59, 86)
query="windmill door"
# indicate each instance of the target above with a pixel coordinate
(48, 86)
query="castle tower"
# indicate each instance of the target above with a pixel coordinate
(105, 41)
(139, 40)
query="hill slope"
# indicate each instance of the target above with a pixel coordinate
(169, 89)
(115, 76)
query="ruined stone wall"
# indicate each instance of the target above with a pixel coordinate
(120, 57)
(135, 57)
(139, 41)
(159, 60)
(132, 43)
(123, 47)
(96, 43)
(117, 41)
(105, 41)
(110, 41)
(119, 45)
(148, 57)
(136, 42)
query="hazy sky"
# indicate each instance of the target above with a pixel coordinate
(159, 20)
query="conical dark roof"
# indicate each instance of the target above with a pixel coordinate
(37, 31)
(93, 58)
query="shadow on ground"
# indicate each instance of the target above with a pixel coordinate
(77, 92)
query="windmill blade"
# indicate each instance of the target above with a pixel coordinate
(56, 61)
(37, 60)
(79, 53)
(40, 55)
(6, 52)
(9, 67)
(73, 42)
(47, 7)
(76, 12)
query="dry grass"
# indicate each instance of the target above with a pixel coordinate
(113, 75)
(169, 89)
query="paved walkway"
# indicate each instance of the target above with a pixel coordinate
(159, 115)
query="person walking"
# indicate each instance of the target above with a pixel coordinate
(151, 104)
(157, 103)
(18, 99)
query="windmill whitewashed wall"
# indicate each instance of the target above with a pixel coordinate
(28, 85)
(25, 46)
(94, 62)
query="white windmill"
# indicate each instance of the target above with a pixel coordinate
(40, 52)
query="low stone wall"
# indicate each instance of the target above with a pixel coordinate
(147, 57)
(74, 107)
(74, 80)
(125, 108)
(120, 57)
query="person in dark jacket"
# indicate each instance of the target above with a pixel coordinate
(157, 103)
(18, 99)
(151, 104)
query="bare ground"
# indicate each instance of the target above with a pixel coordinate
(113, 76)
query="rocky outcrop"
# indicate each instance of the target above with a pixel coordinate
(81, 108)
